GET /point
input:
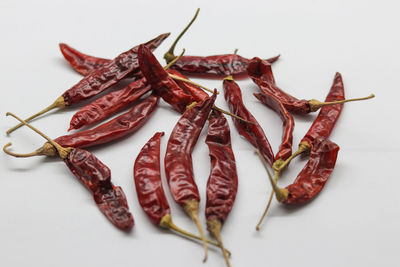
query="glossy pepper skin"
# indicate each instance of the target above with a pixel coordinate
(117, 128)
(82, 63)
(109, 104)
(196, 92)
(148, 183)
(285, 148)
(252, 132)
(214, 66)
(160, 81)
(261, 73)
(101, 79)
(222, 184)
(315, 174)
(178, 157)
(328, 116)
(96, 177)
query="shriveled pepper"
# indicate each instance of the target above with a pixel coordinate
(95, 176)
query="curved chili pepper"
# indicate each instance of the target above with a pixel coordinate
(261, 73)
(178, 158)
(82, 63)
(222, 183)
(196, 92)
(95, 176)
(101, 79)
(285, 148)
(124, 124)
(252, 132)
(108, 104)
(211, 66)
(312, 178)
(160, 81)
(147, 176)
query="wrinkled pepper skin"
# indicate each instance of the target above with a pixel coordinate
(315, 174)
(196, 92)
(285, 148)
(328, 115)
(160, 81)
(97, 178)
(222, 184)
(252, 132)
(82, 63)
(117, 128)
(101, 79)
(214, 66)
(178, 157)
(109, 104)
(148, 183)
(261, 73)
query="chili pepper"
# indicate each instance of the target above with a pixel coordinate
(101, 79)
(108, 104)
(178, 159)
(149, 188)
(285, 149)
(322, 127)
(312, 178)
(212, 66)
(83, 64)
(252, 132)
(222, 183)
(261, 73)
(95, 176)
(124, 124)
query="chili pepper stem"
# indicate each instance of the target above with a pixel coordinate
(214, 226)
(166, 223)
(169, 55)
(269, 202)
(231, 114)
(59, 103)
(173, 76)
(63, 152)
(192, 208)
(316, 105)
(281, 193)
(174, 60)
(279, 165)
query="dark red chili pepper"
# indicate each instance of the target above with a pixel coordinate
(82, 63)
(261, 73)
(95, 176)
(222, 183)
(252, 132)
(285, 149)
(196, 92)
(210, 66)
(178, 159)
(108, 104)
(100, 79)
(160, 81)
(124, 124)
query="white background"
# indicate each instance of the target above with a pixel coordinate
(49, 219)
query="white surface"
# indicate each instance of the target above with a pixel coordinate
(49, 219)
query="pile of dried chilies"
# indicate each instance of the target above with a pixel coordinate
(149, 81)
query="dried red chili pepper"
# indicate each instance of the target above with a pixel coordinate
(252, 132)
(312, 178)
(222, 183)
(149, 188)
(124, 124)
(108, 104)
(261, 73)
(285, 148)
(211, 66)
(95, 176)
(178, 159)
(82, 63)
(100, 79)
